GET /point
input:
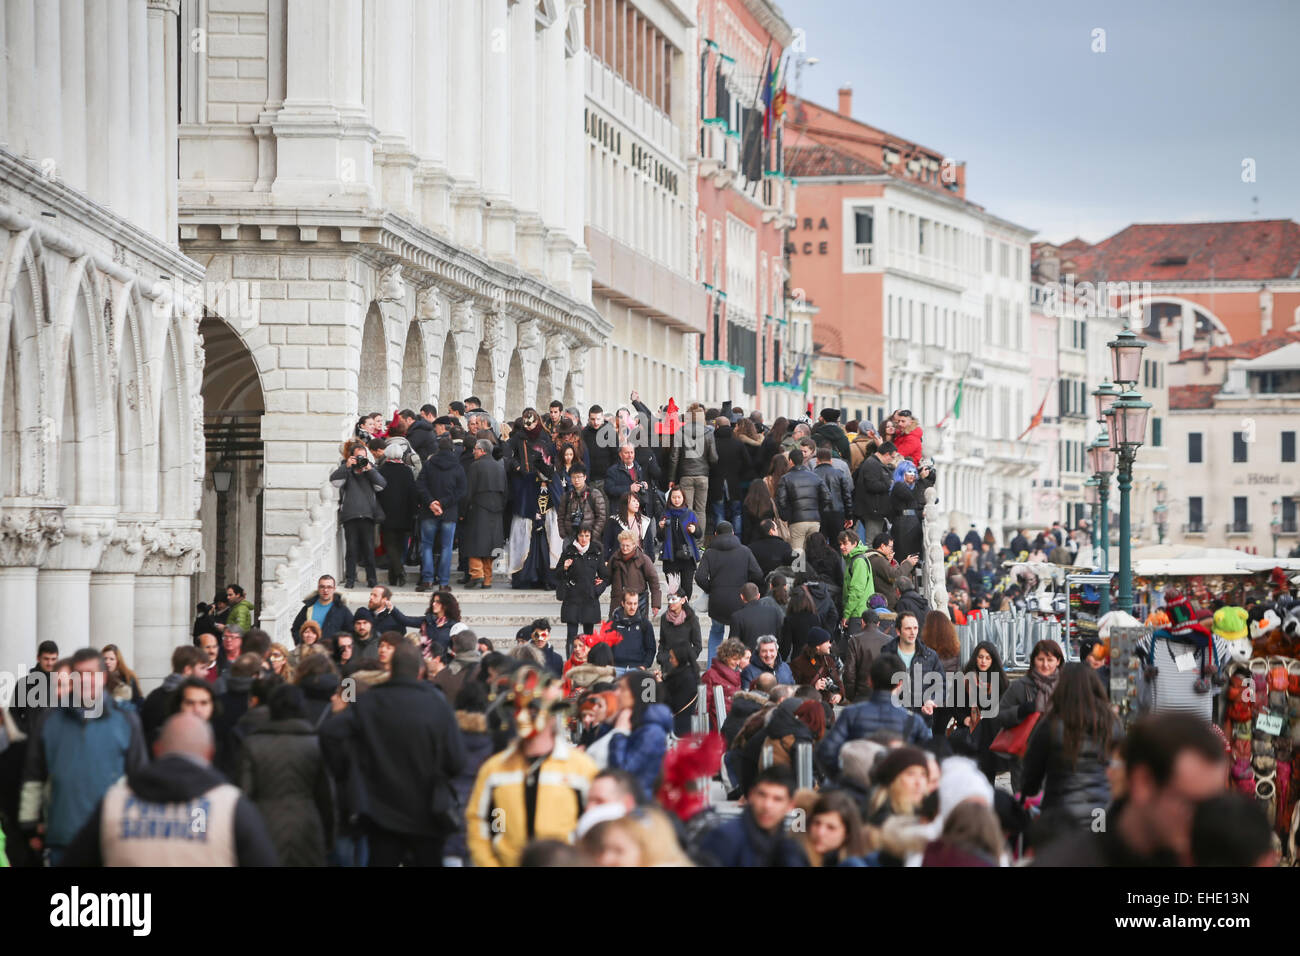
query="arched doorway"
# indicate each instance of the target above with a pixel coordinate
(484, 387)
(449, 386)
(415, 370)
(545, 389)
(231, 511)
(515, 399)
(372, 385)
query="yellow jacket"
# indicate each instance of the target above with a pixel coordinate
(497, 819)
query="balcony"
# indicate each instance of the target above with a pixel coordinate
(1289, 527)
(863, 256)
(1195, 527)
(1237, 527)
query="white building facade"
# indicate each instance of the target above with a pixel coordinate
(99, 388)
(401, 189)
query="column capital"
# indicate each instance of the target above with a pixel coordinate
(26, 534)
(125, 551)
(172, 7)
(171, 552)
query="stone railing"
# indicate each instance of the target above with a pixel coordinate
(316, 553)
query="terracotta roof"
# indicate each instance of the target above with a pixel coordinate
(1192, 396)
(822, 160)
(1249, 349)
(828, 338)
(1074, 246)
(1253, 249)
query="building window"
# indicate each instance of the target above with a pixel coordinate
(1195, 514)
(1194, 449)
(1157, 433)
(1020, 263)
(1004, 260)
(1239, 447)
(1288, 516)
(988, 255)
(863, 227)
(1239, 516)
(1288, 447)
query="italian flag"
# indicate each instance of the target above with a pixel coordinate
(955, 411)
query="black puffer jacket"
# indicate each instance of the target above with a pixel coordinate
(724, 569)
(802, 496)
(576, 585)
(442, 479)
(734, 470)
(871, 496)
(1072, 791)
(422, 438)
(282, 772)
(399, 499)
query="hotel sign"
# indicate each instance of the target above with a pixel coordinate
(631, 152)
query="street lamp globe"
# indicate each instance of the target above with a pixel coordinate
(1091, 494)
(1101, 457)
(1104, 396)
(1129, 422)
(1126, 357)
(1162, 494)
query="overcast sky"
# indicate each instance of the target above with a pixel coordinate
(1062, 139)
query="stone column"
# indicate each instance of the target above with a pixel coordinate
(308, 157)
(112, 589)
(121, 175)
(465, 44)
(26, 535)
(429, 108)
(162, 591)
(497, 131)
(72, 107)
(48, 81)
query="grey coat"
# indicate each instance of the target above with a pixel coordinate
(281, 770)
(483, 529)
(357, 492)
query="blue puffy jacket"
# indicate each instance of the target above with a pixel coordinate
(878, 712)
(641, 753)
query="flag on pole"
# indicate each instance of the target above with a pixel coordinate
(768, 90)
(955, 411)
(807, 377)
(1038, 415)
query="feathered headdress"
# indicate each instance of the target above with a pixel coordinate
(695, 758)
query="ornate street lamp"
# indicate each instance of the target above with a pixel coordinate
(1128, 433)
(1104, 396)
(1101, 459)
(1126, 357)
(1091, 497)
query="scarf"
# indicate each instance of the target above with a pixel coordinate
(677, 617)
(1045, 686)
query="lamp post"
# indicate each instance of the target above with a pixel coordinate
(1129, 416)
(222, 473)
(1091, 495)
(1102, 461)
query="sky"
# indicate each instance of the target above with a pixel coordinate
(1065, 140)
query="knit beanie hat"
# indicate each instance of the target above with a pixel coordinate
(896, 761)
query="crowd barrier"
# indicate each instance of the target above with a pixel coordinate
(1014, 634)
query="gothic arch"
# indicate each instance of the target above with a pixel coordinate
(485, 379)
(545, 387)
(84, 436)
(515, 397)
(23, 398)
(450, 388)
(415, 369)
(1214, 325)
(372, 381)
(134, 414)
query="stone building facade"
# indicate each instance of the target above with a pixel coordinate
(102, 474)
(396, 195)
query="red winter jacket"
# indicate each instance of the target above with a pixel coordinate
(909, 445)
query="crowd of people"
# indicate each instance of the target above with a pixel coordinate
(827, 717)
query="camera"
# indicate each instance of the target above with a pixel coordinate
(361, 464)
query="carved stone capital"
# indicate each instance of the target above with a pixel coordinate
(27, 534)
(428, 306)
(462, 316)
(85, 534)
(169, 552)
(494, 330)
(530, 335)
(125, 550)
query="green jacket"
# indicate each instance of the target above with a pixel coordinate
(241, 615)
(859, 585)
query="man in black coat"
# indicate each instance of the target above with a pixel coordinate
(481, 532)
(871, 495)
(801, 500)
(1019, 543)
(419, 433)
(401, 503)
(724, 568)
(756, 617)
(601, 441)
(629, 476)
(327, 601)
(771, 551)
(441, 487)
(404, 738)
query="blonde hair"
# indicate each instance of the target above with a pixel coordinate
(289, 669)
(628, 536)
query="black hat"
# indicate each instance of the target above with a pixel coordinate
(816, 637)
(364, 614)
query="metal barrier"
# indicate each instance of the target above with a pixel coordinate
(1014, 634)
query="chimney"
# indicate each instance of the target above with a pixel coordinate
(846, 101)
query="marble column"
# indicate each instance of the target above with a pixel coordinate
(63, 606)
(465, 45)
(145, 192)
(20, 53)
(121, 175)
(72, 70)
(429, 109)
(496, 130)
(18, 636)
(112, 609)
(48, 81)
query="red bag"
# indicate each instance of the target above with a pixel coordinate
(1014, 740)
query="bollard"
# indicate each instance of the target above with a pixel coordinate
(700, 719)
(803, 764)
(720, 706)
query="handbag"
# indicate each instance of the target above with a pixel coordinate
(1014, 740)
